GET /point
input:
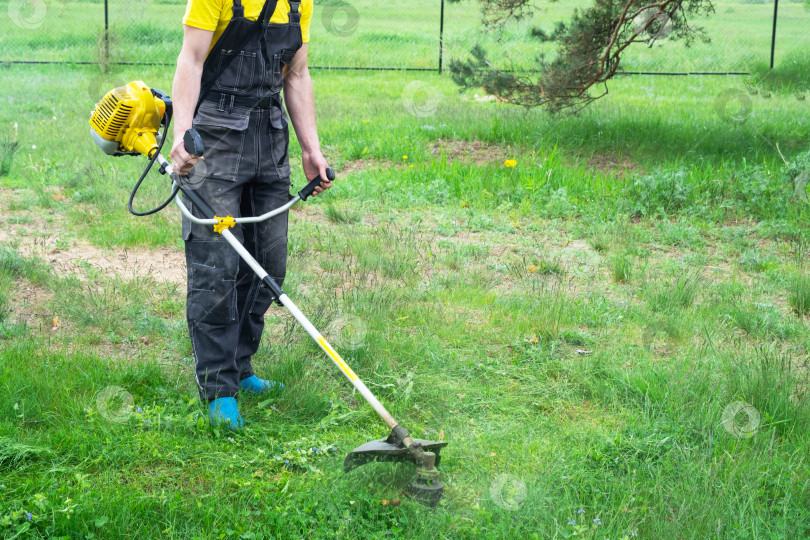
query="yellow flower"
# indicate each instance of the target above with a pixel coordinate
(510, 163)
(404, 157)
(411, 165)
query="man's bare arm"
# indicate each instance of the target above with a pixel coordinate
(300, 99)
(186, 91)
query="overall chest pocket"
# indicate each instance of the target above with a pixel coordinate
(239, 74)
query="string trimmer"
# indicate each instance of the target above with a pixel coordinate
(127, 121)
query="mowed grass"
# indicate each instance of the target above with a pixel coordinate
(612, 334)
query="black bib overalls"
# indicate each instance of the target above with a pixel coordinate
(246, 171)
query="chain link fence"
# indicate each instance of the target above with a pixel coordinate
(417, 35)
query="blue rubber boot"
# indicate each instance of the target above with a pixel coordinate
(223, 411)
(255, 385)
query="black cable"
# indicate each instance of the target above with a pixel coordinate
(145, 172)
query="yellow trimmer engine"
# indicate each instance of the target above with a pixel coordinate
(127, 120)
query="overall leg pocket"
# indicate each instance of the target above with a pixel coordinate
(212, 268)
(223, 137)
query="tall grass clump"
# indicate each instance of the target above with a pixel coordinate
(620, 268)
(776, 384)
(341, 215)
(799, 294)
(7, 151)
(679, 294)
(16, 266)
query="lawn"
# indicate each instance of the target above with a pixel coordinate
(612, 334)
(395, 34)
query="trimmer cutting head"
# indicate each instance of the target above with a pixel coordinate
(383, 450)
(424, 487)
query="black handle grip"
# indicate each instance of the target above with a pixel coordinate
(309, 189)
(193, 143)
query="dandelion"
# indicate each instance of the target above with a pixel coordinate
(404, 157)
(510, 163)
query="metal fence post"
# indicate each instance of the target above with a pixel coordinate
(105, 53)
(441, 37)
(773, 36)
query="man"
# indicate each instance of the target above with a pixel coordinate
(236, 58)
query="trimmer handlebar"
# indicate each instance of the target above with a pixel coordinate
(309, 189)
(194, 146)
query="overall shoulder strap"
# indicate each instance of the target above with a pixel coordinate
(294, 15)
(267, 11)
(238, 9)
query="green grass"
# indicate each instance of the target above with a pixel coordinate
(621, 268)
(799, 294)
(394, 34)
(582, 328)
(341, 215)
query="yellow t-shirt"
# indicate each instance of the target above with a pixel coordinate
(216, 14)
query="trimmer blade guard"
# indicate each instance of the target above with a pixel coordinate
(384, 450)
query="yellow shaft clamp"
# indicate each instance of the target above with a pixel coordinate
(223, 223)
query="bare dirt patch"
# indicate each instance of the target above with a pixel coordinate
(358, 165)
(29, 304)
(34, 237)
(310, 214)
(82, 259)
(613, 164)
(474, 152)
(161, 264)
